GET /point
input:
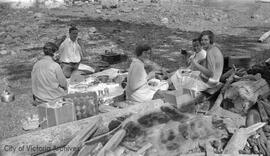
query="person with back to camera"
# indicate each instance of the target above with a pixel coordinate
(48, 79)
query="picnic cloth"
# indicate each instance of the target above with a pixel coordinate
(147, 91)
(80, 83)
(112, 72)
(188, 79)
(84, 67)
(114, 88)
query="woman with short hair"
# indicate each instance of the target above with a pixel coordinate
(137, 89)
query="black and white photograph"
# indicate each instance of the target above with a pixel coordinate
(134, 77)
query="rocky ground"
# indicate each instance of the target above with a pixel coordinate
(166, 25)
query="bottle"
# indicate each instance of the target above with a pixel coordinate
(77, 107)
(107, 92)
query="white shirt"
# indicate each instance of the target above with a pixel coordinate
(47, 79)
(199, 56)
(70, 52)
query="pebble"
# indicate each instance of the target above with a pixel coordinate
(8, 38)
(214, 19)
(92, 30)
(38, 15)
(98, 11)
(3, 52)
(12, 28)
(256, 16)
(30, 12)
(164, 20)
(12, 52)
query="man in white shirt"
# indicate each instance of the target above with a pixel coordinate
(71, 52)
(198, 54)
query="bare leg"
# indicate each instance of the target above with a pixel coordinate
(67, 70)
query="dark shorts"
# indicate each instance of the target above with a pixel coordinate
(69, 68)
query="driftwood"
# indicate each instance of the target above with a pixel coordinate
(266, 106)
(226, 75)
(260, 144)
(220, 97)
(239, 139)
(219, 111)
(81, 137)
(89, 146)
(244, 93)
(59, 136)
(144, 148)
(261, 109)
(113, 142)
(264, 36)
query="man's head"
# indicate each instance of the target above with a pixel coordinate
(143, 51)
(50, 48)
(196, 45)
(73, 33)
(206, 38)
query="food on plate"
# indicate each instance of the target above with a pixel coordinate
(153, 83)
(103, 78)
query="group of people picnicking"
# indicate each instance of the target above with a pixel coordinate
(49, 77)
(204, 69)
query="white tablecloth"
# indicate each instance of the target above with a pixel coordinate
(87, 86)
(112, 72)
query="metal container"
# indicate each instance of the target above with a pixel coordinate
(111, 58)
(7, 96)
(103, 78)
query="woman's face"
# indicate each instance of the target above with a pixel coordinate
(205, 42)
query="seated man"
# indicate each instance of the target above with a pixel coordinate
(137, 88)
(48, 80)
(71, 52)
(203, 76)
(198, 54)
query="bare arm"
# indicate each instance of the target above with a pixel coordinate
(61, 78)
(202, 69)
(151, 75)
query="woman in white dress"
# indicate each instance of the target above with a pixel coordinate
(137, 88)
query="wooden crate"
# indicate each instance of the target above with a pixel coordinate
(50, 115)
(86, 104)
